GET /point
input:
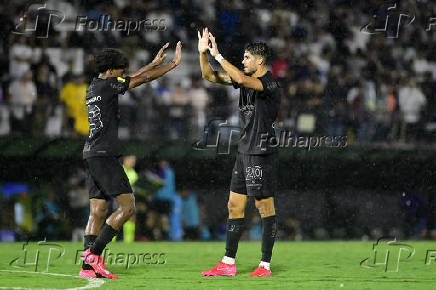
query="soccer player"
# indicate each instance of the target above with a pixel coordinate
(255, 169)
(106, 176)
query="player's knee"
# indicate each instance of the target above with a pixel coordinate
(235, 208)
(128, 210)
(265, 208)
(99, 212)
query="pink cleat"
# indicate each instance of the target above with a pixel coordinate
(222, 269)
(97, 263)
(87, 274)
(261, 272)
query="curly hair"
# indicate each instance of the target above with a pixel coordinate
(259, 48)
(110, 58)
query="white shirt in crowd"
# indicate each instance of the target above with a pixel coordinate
(411, 101)
(23, 95)
(20, 59)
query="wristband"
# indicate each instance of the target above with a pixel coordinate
(219, 57)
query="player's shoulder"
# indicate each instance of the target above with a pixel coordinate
(117, 83)
(270, 81)
(116, 80)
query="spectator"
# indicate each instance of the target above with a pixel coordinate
(22, 98)
(48, 220)
(411, 101)
(190, 215)
(20, 58)
(416, 215)
(73, 94)
(200, 99)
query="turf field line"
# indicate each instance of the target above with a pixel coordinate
(92, 283)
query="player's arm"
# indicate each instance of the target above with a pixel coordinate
(207, 72)
(238, 76)
(144, 76)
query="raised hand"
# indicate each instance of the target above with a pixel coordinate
(160, 56)
(203, 41)
(178, 55)
(213, 49)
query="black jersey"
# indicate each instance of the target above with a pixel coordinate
(104, 116)
(258, 112)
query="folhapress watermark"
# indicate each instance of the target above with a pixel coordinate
(37, 20)
(127, 259)
(39, 256)
(219, 135)
(288, 140)
(106, 23)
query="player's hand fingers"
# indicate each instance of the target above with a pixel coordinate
(178, 47)
(199, 37)
(163, 48)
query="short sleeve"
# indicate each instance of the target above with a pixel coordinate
(120, 85)
(268, 84)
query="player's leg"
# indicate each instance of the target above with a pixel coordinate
(235, 223)
(126, 208)
(266, 210)
(113, 183)
(263, 175)
(235, 228)
(97, 215)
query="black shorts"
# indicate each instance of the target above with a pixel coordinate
(106, 178)
(255, 175)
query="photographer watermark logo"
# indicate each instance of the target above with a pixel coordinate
(386, 254)
(218, 135)
(38, 256)
(38, 21)
(390, 18)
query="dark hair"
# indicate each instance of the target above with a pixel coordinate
(110, 58)
(259, 48)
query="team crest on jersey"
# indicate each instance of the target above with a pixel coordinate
(120, 79)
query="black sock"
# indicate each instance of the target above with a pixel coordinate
(269, 233)
(106, 235)
(87, 243)
(235, 228)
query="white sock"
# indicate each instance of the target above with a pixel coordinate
(228, 260)
(264, 264)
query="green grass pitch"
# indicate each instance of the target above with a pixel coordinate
(295, 265)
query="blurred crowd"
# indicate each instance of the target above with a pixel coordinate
(370, 85)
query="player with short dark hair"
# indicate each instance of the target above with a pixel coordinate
(106, 177)
(255, 170)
